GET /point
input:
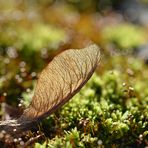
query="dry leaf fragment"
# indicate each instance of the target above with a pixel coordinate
(63, 77)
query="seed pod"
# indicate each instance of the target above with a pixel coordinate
(63, 77)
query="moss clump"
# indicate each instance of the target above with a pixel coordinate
(104, 113)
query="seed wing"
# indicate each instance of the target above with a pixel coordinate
(63, 77)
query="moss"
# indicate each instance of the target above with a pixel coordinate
(102, 111)
(38, 145)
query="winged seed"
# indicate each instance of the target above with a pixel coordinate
(63, 77)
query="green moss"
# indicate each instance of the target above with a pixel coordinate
(110, 117)
(38, 145)
(27, 98)
(111, 107)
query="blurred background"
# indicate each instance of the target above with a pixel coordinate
(32, 32)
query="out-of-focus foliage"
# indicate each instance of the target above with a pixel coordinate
(36, 37)
(124, 36)
(41, 36)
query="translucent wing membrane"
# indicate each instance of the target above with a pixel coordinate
(63, 77)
